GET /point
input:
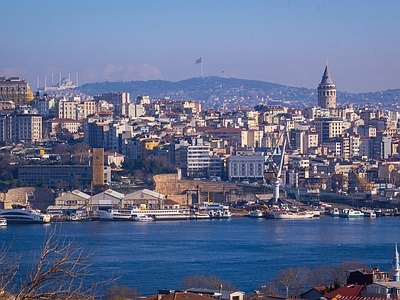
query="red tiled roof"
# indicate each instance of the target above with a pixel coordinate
(346, 291)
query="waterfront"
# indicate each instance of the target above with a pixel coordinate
(245, 252)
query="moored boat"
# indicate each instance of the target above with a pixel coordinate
(335, 212)
(351, 214)
(293, 215)
(24, 215)
(369, 213)
(3, 222)
(255, 213)
(198, 215)
(135, 213)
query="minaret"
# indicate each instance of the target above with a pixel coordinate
(327, 91)
(395, 270)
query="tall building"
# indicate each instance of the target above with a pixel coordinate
(328, 128)
(327, 91)
(16, 90)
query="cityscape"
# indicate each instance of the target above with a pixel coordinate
(227, 150)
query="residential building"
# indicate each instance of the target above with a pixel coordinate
(26, 128)
(16, 90)
(249, 167)
(328, 128)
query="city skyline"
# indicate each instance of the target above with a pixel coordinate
(285, 42)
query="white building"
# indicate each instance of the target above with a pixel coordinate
(246, 167)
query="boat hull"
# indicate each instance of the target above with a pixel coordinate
(24, 216)
(293, 215)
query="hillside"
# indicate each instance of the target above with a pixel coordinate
(231, 93)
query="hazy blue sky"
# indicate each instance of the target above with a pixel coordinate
(280, 41)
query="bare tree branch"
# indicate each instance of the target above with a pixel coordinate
(60, 272)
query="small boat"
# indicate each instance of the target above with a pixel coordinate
(256, 214)
(143, 219)
(335, 212)
(351, 214)
(369, 213)
(197, 215)
(3, 222)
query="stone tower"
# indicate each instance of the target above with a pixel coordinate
(395, 270)
(327, 91)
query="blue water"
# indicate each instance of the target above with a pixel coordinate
(245, 252)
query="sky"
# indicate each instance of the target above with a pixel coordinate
(281, 41)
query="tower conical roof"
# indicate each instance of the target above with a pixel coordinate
(326, 78)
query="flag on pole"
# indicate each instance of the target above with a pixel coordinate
(198, 61)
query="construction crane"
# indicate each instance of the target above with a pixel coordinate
(273, 170)
(315, 188)
(367, 186)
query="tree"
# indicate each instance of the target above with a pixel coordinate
(60, 272)
(206, 282)
(117, 292)
(293, 280)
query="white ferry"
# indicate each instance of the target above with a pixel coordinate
(293, 215)
(24, 215)
(217, 210)
(137, 213)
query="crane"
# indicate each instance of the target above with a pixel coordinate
(273, 170)
(315, 188)
(367, 186)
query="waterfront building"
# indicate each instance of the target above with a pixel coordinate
(194, 159)
(75, 201)
(106, 200)
(327, 91)
(15, 89)
(144, 198)
(60, 176)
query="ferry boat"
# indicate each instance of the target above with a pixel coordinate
(293, 215)
(256, 214)
(24, 215)
(3, 222)
(115, 215)
(135, 213)
(351, 214)
(218, 211)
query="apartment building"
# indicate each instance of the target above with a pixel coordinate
(15, 89)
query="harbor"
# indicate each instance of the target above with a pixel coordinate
(227, 248)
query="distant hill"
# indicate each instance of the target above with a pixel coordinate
(231, 93)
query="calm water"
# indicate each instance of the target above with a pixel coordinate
(245, 252)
